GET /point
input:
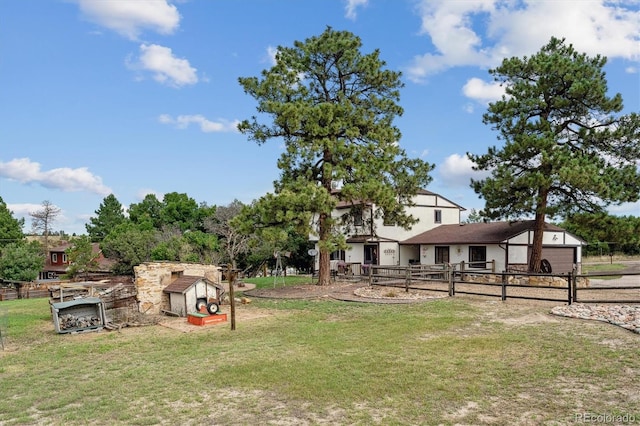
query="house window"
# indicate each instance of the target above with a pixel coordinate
(357, 217)
(442, 254)
(337, 255)
(437, 216)
(477, 256)
(64, 258)
(54, 257)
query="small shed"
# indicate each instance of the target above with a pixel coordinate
(191, 294)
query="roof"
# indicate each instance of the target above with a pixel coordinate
(368, 239)
(349, 203)
(469, 233)
(182, 284)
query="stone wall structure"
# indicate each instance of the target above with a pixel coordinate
(151, 278)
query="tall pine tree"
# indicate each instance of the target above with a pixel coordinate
(333, 107)
(565, 149)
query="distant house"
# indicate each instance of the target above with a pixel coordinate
(377, 240)
(57, 261)
(507, 243)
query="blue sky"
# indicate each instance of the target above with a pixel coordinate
(142, 96)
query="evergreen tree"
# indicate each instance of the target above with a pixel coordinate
(10, 227)
(565, 149)
(109, 215)
(82, 259)
(333, 107)
(129, 245)
(21, 261)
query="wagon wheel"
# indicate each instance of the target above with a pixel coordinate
(212, 308)
(545, 266)
(200, 303)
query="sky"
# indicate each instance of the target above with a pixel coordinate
(131, 97)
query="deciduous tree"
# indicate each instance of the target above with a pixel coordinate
(566, 147)
(233, 242)
(333, 108)
(42, 221)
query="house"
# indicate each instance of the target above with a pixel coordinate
(373, 240)
(507, 243)
(190, 294)
(57, 261)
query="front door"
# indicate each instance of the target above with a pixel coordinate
(371, 254)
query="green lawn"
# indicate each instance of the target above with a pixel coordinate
(270, 282)
(452, 361)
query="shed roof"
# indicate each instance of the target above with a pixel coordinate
(479, 233)
(182, 284)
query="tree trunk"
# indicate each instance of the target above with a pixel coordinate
(324, 272)
(538, 233)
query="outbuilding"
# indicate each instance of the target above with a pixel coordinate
(191, 294)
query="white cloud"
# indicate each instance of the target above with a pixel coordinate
(352, 5)
(482, 91)
(206, 125)
(271, 55)
(166, 68)
(146, 191)
(129, 18)
(65, 179)
(457, 170)
(625, 209)
(23, 210)
(483, 32)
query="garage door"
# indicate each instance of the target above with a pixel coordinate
(562, 259)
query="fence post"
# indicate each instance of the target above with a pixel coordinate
(504, 286)
(574, 283)
(570, 290)
(370, 271)
(452, 289)
(407, 280)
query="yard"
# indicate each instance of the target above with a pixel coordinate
(459, 360)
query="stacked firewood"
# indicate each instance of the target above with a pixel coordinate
(118, 300)
(69, 321)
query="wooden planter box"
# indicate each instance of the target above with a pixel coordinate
(205, 319)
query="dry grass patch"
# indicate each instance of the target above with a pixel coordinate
(452, 361)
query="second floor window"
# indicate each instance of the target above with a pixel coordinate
(437, 216)
(54, 257)
(357, 217)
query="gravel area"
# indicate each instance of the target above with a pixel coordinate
(625, 316)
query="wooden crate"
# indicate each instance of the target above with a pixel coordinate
(205, 319)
